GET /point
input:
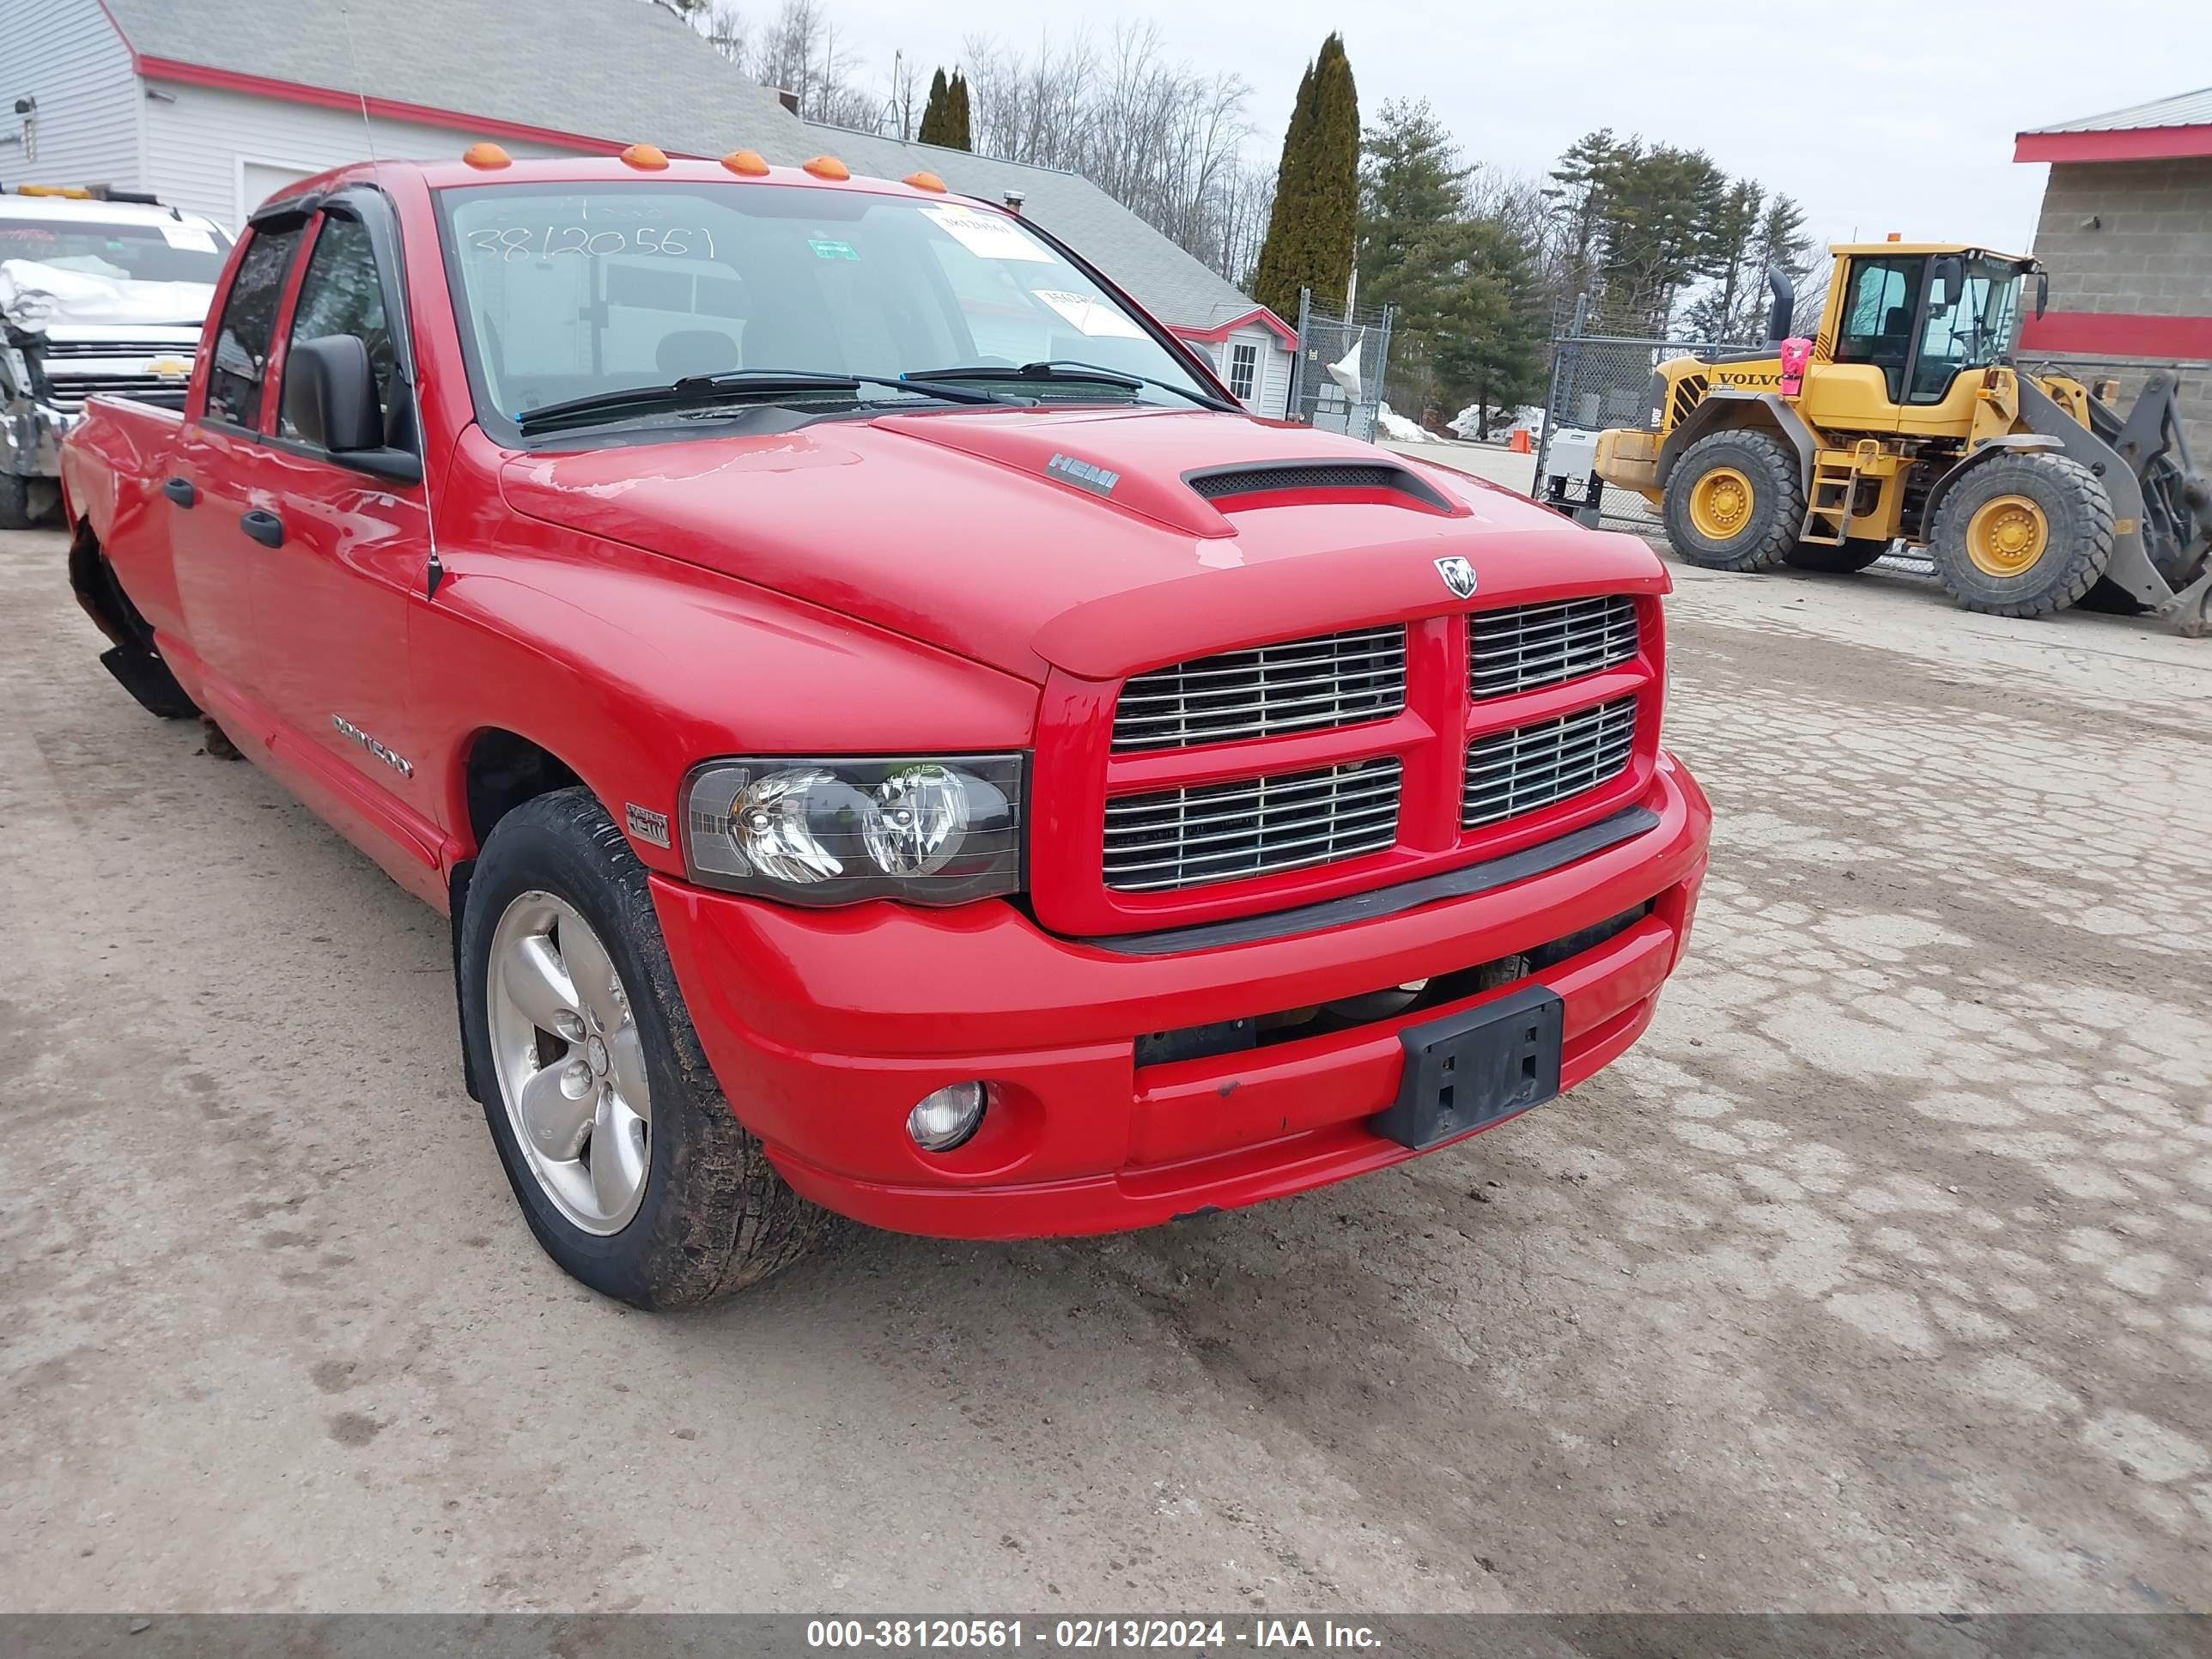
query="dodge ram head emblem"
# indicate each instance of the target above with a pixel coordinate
(1459, 576)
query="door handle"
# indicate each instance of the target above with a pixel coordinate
(181, 491)
(264, 527)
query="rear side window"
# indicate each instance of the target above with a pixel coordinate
(341, 294)
(249, 321)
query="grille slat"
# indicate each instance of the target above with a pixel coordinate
(71, 391)
(1510, 772)
(1530, 646)
(1286, 821)
(1300, 685)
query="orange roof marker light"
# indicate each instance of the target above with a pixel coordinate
(1894, 236)
(926, 181)
(829, 166)
(746, 163)
(645, 158)
(487, 156)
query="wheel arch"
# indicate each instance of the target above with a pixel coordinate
(1731, 411)
(2013, 443)
(496, 770)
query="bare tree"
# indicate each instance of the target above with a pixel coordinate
(1158, 135)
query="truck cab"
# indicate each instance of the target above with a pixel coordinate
(99, 293)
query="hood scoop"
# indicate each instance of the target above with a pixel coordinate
(1230, 488)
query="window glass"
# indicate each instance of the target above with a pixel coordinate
(174, 251)
(1969, 329)
(1878, 306)
(1243, 368)
(341, 294)
(567, 291)
(249, 320)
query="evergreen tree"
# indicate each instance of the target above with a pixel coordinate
(1315, 221)
(1469, 324)
(931, 129)
(959, 131)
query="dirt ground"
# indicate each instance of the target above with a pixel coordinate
(1876, 1278)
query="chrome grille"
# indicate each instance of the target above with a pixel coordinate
(72, 390)
(1532, 645)
(1510, 772)
(1250, 827)
(1299, 685)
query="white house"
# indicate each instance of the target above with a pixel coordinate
(211, 105)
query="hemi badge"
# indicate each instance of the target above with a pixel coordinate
(1084, 475)
(646, 825)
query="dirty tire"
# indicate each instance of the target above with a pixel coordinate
(2076, 510)
(1856, 554)
(15, 502)
(715, 1217)
(1769, 531)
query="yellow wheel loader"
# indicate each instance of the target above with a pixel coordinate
(1902, 416)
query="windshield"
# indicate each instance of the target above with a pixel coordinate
(1972, 328)
(159, 252)
(569, 292)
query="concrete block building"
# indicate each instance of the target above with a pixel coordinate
(2126, 233)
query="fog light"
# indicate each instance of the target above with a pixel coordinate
(945, 1118)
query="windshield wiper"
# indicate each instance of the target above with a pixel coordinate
(709, 391)
(1067, 369)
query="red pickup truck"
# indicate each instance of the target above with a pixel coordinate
(892, 735)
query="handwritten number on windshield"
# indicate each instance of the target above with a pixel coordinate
(546, 242)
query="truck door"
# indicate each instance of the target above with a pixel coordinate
(220, 565)
(1881, 300)
(352, 562)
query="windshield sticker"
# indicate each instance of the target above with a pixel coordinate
(1094, 317)
(987, 236)
(546, 242)
(833, 249)
(191, 238)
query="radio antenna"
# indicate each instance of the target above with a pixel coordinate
(360, 87)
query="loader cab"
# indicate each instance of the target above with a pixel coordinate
(1923, 315)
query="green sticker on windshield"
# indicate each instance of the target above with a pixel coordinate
(833, 249)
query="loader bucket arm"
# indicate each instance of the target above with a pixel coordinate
(2150, 430)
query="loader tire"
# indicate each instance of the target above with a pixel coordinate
(1856, 554)
(1735, 501)
(2022, 535)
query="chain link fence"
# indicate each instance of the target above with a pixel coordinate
(1339, 382)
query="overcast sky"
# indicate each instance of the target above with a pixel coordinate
(1876, 117)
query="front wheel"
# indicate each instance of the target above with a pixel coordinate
(1735, 501)
(2022, 534)
(15, 502)
(628, 1164)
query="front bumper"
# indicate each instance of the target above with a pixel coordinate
(824, 1027)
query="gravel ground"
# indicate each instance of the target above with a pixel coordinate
(1876, 1278)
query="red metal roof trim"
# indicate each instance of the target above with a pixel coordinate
(2124, 144)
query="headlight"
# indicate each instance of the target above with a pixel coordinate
(835, 832)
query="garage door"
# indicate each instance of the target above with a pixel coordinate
(259, 181)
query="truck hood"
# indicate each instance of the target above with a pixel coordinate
(76, 297)
(1022, 539)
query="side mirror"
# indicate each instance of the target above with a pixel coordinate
(2042, 293)
(329, 394)
(1949, 273)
